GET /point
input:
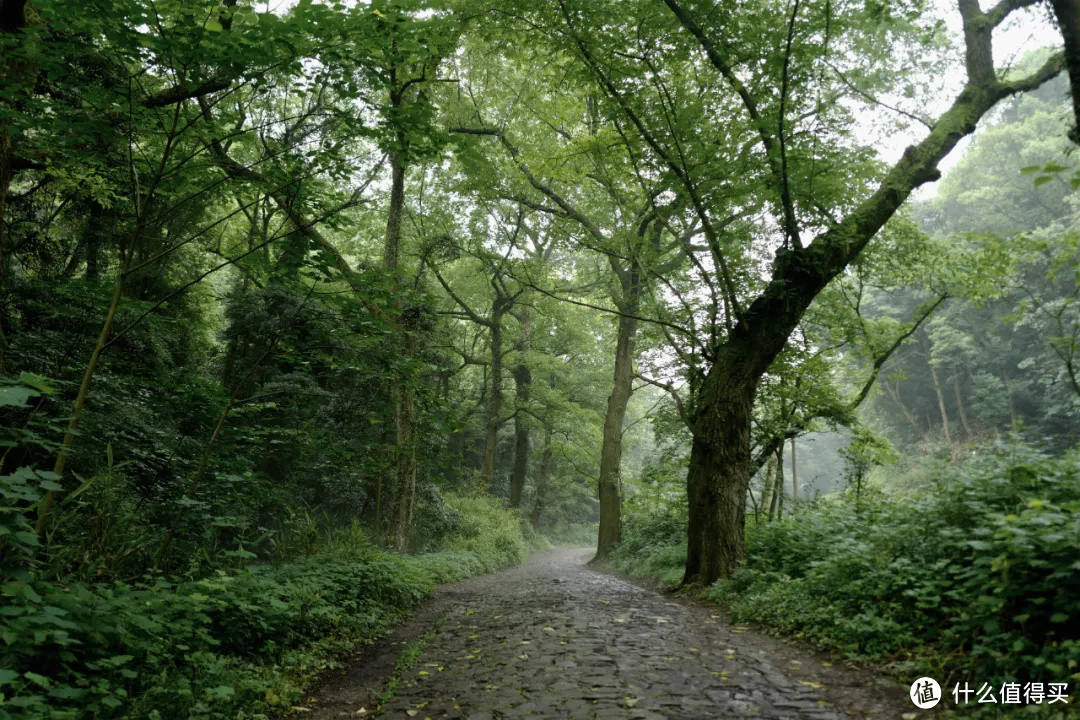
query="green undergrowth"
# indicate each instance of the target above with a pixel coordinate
(238, 644)
(972, 576)
(572, 534)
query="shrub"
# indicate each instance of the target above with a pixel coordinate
(982, 567)
(244, 641)
(974, 573)
(488, 530)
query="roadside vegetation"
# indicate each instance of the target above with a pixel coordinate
(307, 307)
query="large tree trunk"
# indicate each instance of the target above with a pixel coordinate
(1068, 18)
(611, 451)
(522, 382)
(719, 473)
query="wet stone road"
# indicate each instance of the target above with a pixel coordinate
(554, 639)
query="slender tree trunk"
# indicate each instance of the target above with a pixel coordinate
(794, 473)
(767, 490)
(404, 404)
(455, 448)
(780, 489)
(1014, 419)
(405, 424)
(491, 436)
(961, 408)
(775, 481)
(80, 398)
(542, 480)
(522, 382)
(941, 405)
(610, 531)
(894, 393)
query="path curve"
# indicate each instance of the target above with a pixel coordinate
(555, 639)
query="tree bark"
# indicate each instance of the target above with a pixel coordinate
(776, 489)
(1068, 18)
(719, 472)
(405, 425)
(960, 407)
(404, 405)
(767, 490)
(780, 483)
(794, 472)
(491, 435)
(941, 405)
(522, 383)
(610, 531)
(542, 480)
(391, 248)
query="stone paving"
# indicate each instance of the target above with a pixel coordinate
(554, 639)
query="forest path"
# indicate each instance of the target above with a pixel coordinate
(557, 639)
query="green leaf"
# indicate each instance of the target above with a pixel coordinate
(37, 382)
(214, 26)
(16, 396)
(1042, 180)
(39, 680)
(1030, 169)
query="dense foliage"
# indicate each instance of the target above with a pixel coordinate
(246, 640)
(307, 307)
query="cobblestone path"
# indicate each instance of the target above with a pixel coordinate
(554, 639)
